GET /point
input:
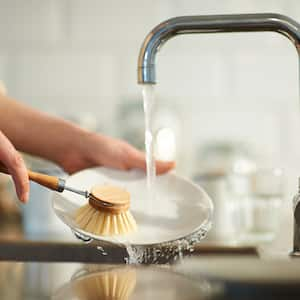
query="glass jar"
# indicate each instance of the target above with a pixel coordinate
(261, 209)
(223, 172)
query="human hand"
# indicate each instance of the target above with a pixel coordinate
(16, 167)
(98, 150)
(13, 161)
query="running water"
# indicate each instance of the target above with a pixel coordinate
(148, 98)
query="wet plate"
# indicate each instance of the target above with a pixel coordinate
(180, 209)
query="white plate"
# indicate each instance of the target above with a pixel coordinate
(179, 209)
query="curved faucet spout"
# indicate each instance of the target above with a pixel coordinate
(209, 24)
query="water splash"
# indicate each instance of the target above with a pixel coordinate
(167, 252)
(135, 254)
(161, 253)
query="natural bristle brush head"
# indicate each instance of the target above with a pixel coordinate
(107, 212)
(109, 198)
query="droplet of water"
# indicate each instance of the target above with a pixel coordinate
(101, 249)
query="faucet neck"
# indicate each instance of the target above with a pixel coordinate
(209, 24)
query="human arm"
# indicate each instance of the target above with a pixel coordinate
(64, 143)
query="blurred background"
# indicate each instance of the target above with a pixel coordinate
(227, 104)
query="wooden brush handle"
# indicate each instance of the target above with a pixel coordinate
(51, 182)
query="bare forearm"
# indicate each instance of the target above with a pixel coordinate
(37, 133)
(60, 141)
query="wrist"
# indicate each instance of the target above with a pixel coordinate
(73, 150)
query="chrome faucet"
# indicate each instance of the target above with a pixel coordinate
(214, 24)
(209, 24)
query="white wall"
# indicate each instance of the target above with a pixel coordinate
(75, 56)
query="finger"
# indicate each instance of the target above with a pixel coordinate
(19, 174)
(164, 166)
(137, 160)
(16, 167)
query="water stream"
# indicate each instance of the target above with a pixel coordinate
(149, 101)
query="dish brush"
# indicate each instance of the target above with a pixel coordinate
(107, 212)
(115, 284)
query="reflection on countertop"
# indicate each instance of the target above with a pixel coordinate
(87, 282)
(212, 279)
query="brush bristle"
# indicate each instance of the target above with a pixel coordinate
(104, 223)
(107, 285)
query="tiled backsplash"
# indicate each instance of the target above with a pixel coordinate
(74, 56)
